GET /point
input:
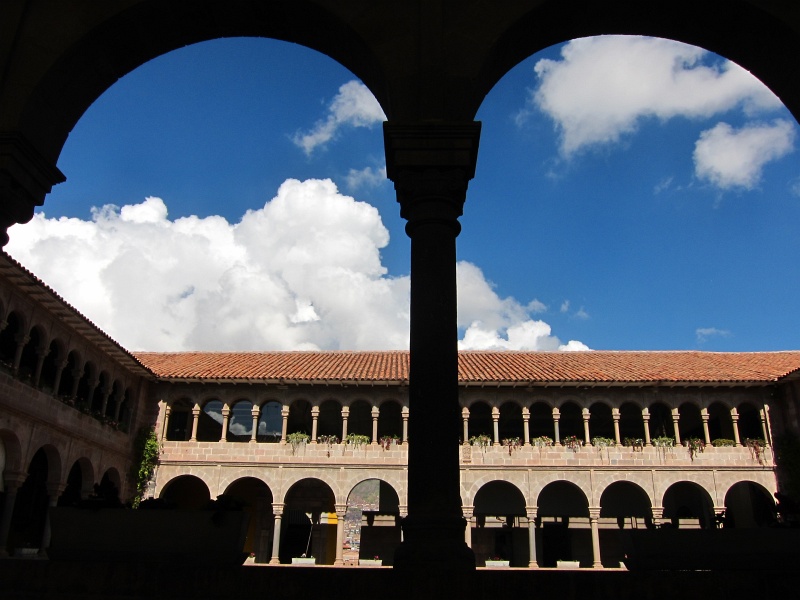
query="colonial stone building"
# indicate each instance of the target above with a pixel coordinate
(558, 452)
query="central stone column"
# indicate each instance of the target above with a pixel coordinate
(431, 165)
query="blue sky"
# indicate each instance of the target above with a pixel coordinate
(630, 194)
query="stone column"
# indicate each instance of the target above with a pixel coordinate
(104, 404)
(526, 426)
(277, 510)
(646, 421)
(195, 420)
(735, 422)
(21, 340)
(226, 414)
(431, 164)
(165, 426)
(615, 416)
(404, 414)
(587, 439)
(658, 515)
(402, 512)
(77, 374)
(345, 415)
(341, 510)
(120, 398)
(594, 516)
(60, 366)
(556, 417)
(467, 511)
(531, 512)
(676, 416)
(719, 517)
(53, 493)
(284, 422)
(314, 423)
(375, 414)
(495, 428)
(763, 414)
(254, 434)
(705, 417)
(465, 419)
(13, 481)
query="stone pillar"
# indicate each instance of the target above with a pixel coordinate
(705, 417)
(658, 515)
(195, 420)
(120, 398)
(90, 395)
(13, 481)
(254, 434)
(226, 414)
(77, 374)
(587, 439)
(556, 434)
(53, 492)
(763, 414)
(615, 416)
(314, 423)
(402, 511)
(404, 413)
(341, 510)
(526, 426)
(165, 426)
(277, 510)
(431, 164)
(104, 404)
(469, 516)
(21, 340)
(735, 422)
(375, 414)
(345, 415)
(495, 428)
(676, 416)
(60, 366)
(284, 422)
(465, 419)
(594, 516)
(41, 354)
(719, 517)
(531, 512)
(646, 421)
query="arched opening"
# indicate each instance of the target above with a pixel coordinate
(631, 424)
(299, 420)
(691, 422)
(750, 422)
(186, 492)
(501, 525)
(9, 340)
(372, 523)
(54, 356)
(720, 424)
(541, 421)
(255, 497)
(180, 419)
(209, 422)
(101, 393)
(359, 420)
(69, 376)
(308, 527)
(30, 509)
(661, 425)
(330, 419)
(270, 422)
(748, 505)
(85, 387)
(570, 424)
(601, 421)
(390, 420)
(563, 517)
(509, 425)
(623, 505)
(240, 422)
(688, 506)
(79, 483)
(480, 420)
(30, 354)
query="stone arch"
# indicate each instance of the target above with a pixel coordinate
(500, 519)
(749, 421)
(390, 419)
(12, 452)
(270, 422)
(480, 419)
(87, 380)
(330, 419)
(30, 508)
(186, 492)
(562, 514)
(299, 417)
(748, 504)
(55, 355)
(306, 527)
(661, 421)
(80, 481)
(31, 352)
(101, 392)
(374, 503)
(571, 420)
(240, 421)
(631, 423)
(359, 420)
(71, 375)
(541, 420)
(255, 497)
(178, 427)
(720, 423)
(9, 336)
(601, 421)
(509, 424)
(623, 505)
(689, 505)
(209, 421)
(690, 423)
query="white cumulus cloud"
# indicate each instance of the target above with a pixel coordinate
(303, 272)
(602, 87)
(729, 158)
(353, 106)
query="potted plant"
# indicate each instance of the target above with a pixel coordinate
(328, 440)
(482, 440)
(375, 561)
(511, 444)
(542, 441)
(356, 440)
(722, 443)
(637, 444)
(297, 439)
(387, 441)
(304, 560)
(695, 446)
(572, 442)
(496, 563)
(757, 447)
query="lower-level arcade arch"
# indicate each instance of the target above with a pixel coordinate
(372, 522)
(308, 526)
(687, 505)
(186, 492)
(623, 505)
(564, 532)
(747, 505)
(500, 529)
(255, 498)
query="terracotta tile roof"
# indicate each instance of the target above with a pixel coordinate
(481, 368)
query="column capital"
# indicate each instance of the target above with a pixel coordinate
(277, 508)
(531, 512)
(594, 512)
(14, 479)
(340, 509)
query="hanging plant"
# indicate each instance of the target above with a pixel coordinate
(722, 443)
(356, 440)
(297, 438)
(482, 440)
(695, 446)
(757, 447)
(511, 444)
(146, 450)
(572, 442)
(636, 443)
(542, 441)
(328, 440)
(600, 442)
(386, 441)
